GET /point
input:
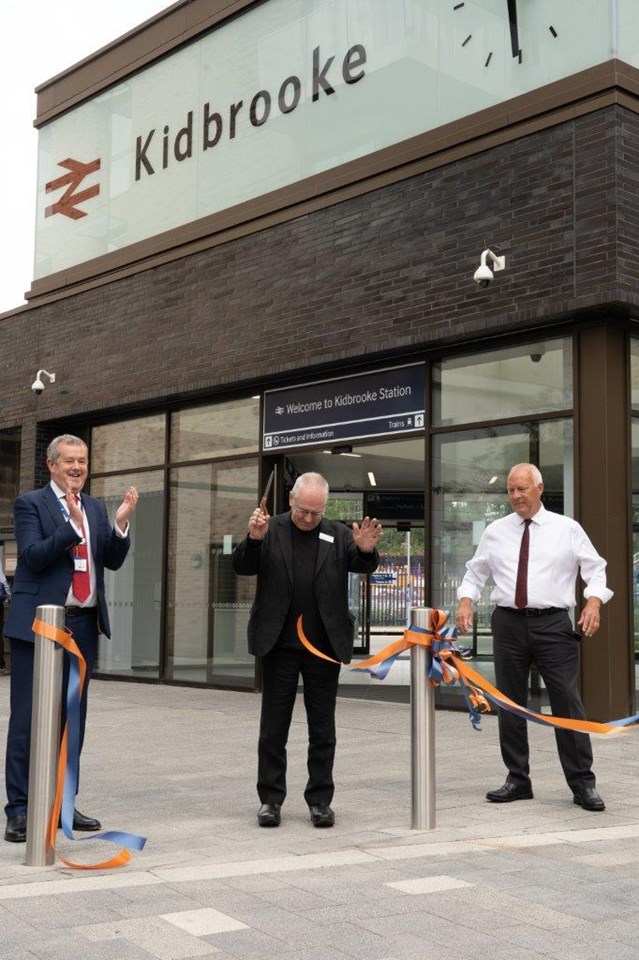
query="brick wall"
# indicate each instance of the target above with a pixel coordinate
(387, 271)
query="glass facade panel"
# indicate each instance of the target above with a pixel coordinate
(635, 531)
(634, 372)
(128, 445)
(208, 605)
(134, 593)
(218, 430)
(9, 474)
(530, 379)
(469, 491)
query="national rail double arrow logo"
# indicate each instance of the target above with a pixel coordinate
(67, 204)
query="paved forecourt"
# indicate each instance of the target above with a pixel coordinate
(530, 879)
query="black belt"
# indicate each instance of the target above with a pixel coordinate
(534, 611)
(77, 611)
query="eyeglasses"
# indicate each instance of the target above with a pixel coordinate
(315, 514)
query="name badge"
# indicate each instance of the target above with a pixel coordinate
(80, 564)
(327, 537)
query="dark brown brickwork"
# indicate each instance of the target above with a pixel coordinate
(389, 271)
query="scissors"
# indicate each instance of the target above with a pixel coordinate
(266, 492)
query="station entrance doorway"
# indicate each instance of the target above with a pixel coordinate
(384, 479)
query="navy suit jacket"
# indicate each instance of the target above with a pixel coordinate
(271, 559)
(45, 557)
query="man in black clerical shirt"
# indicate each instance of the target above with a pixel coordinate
(302, 562)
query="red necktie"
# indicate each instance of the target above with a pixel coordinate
(521, 586)
(81, 578)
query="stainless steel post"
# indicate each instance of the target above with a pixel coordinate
(422, 713)
(45, 739)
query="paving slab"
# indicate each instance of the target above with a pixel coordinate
(532, 879)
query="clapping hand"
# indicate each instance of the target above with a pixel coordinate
(126, 508)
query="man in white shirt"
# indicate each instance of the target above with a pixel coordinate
(534, 556)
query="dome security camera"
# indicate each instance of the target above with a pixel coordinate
(483, 275)
(38, 385)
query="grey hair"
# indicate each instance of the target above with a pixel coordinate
(53, 450)
(305, 480)
(534, 472)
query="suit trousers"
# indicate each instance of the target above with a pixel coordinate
(281, 669)
(85, 634)
(549, 641)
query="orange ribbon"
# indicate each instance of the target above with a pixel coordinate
(65, 639)
(439, 641)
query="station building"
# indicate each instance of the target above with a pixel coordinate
(258, 226)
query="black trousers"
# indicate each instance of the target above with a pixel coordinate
(85, 634)
(550, 642)
(281, 669)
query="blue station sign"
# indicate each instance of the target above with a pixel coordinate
(380, 403)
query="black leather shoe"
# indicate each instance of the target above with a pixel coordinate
(589, 799)
(322, 815)
(86, 824)
(269, 815)
(509, 792)
(16, 830)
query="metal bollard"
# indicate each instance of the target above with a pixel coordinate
(422, 713)
(45, 739)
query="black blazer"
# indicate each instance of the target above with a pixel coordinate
(45, 563)
(271, 559)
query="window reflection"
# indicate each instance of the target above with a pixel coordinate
(208, 605)
(529, 379)
(469, 491)
(128, 444)
(134, 593)
(9, 474)
(218, 430)
(635, 530)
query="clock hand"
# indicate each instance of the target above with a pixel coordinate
(514, 32)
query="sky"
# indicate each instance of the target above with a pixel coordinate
(37, 41)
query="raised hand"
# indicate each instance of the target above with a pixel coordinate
(126, 508)
(258, 523)
(367, 535)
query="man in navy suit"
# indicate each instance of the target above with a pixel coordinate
(65, 541)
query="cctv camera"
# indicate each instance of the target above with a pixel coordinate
(38, 384)
(483, 275)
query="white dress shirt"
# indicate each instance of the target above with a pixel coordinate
(92, 599)
(559, 548)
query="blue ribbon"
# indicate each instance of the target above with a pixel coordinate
(73, 762)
